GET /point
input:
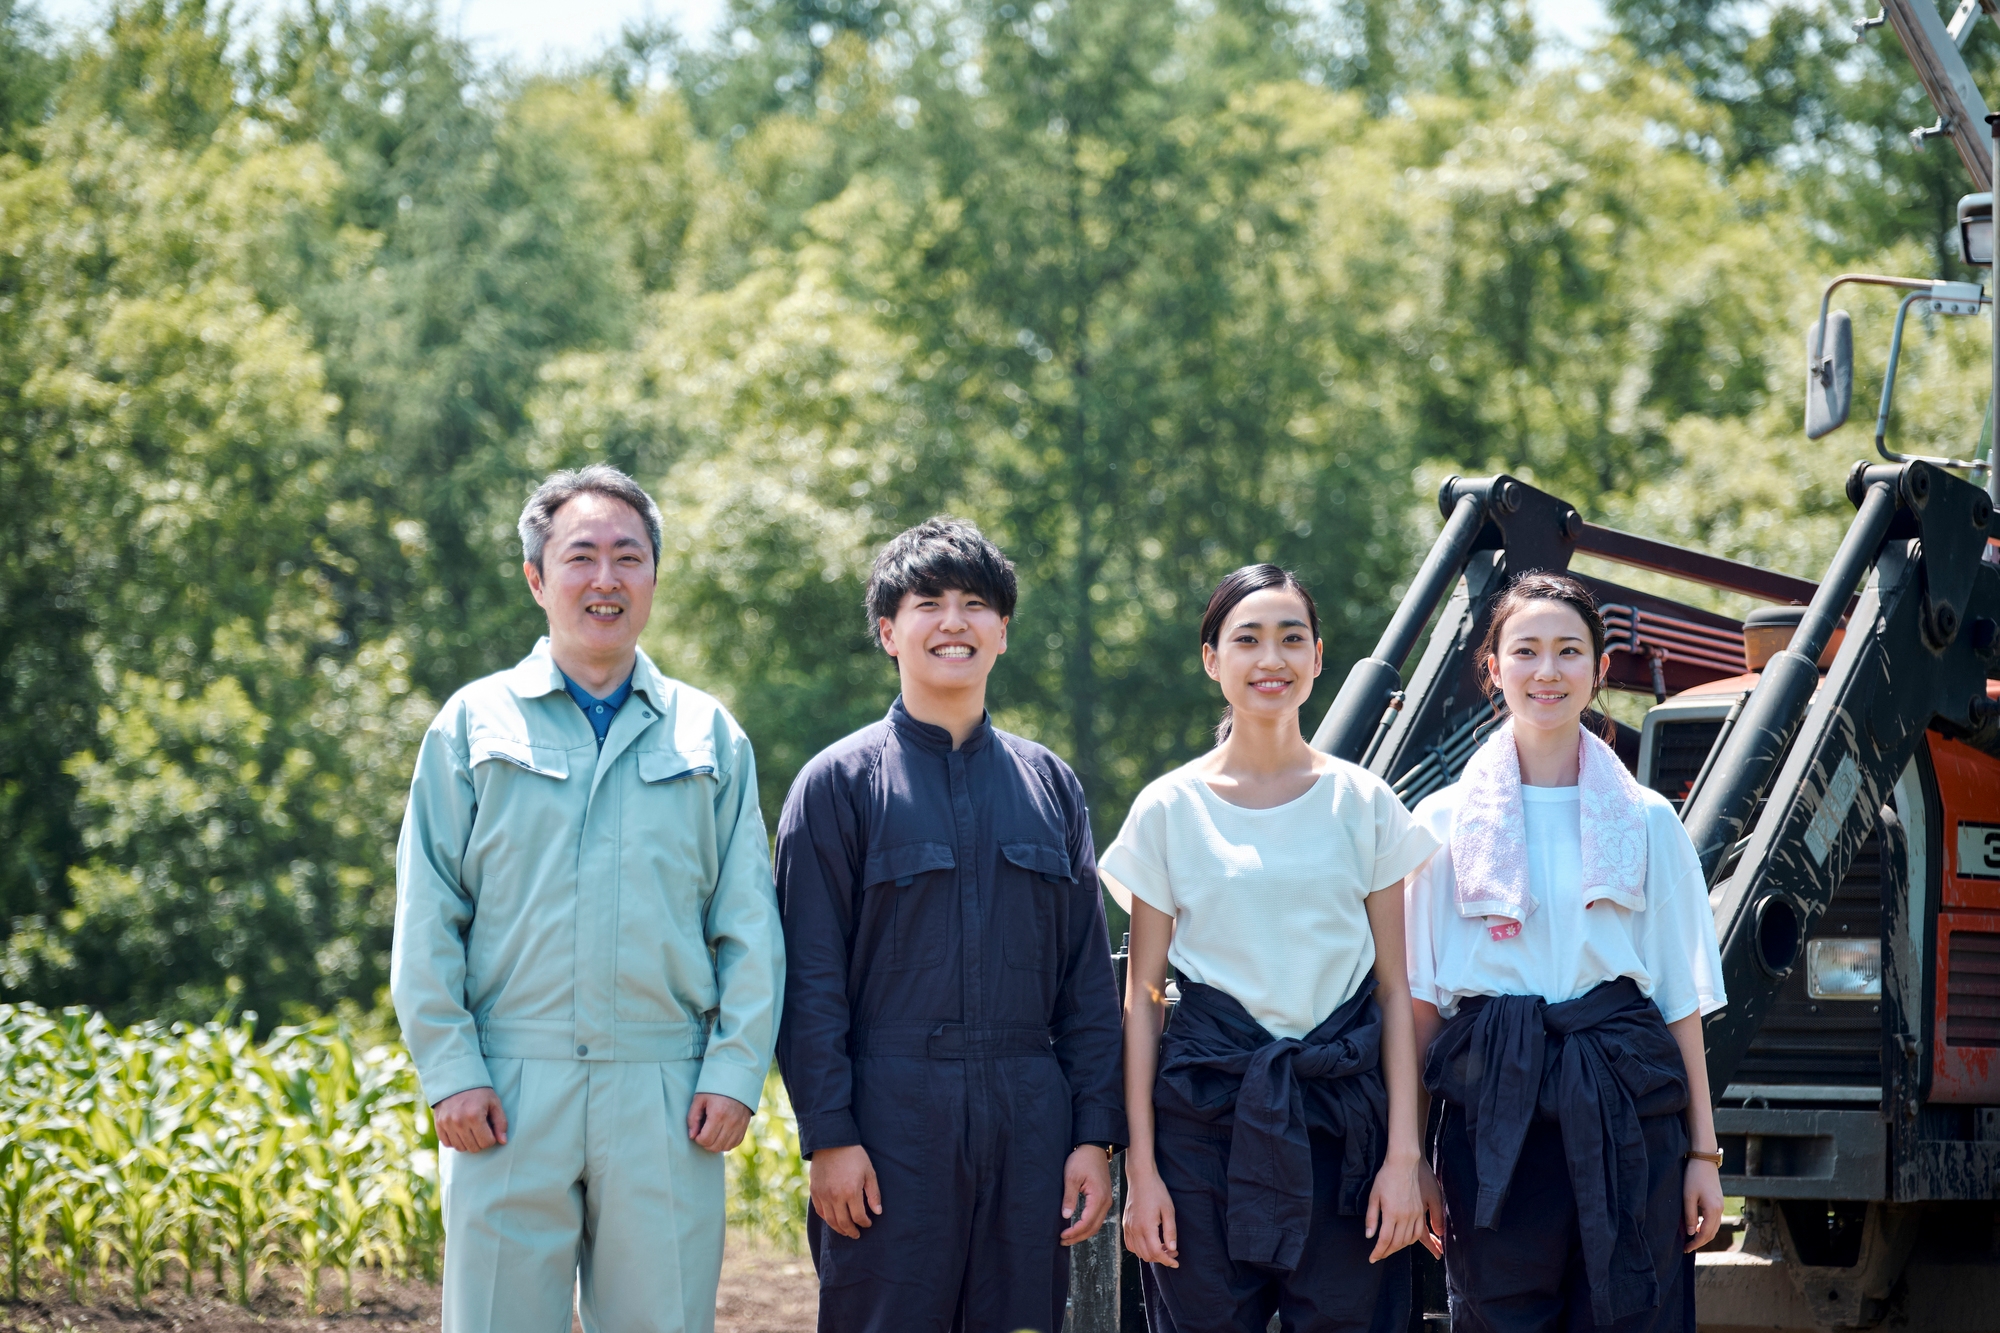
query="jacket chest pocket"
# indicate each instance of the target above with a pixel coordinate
(917, 884)
(1035, 877)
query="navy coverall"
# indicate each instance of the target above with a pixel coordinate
(949, 1006)
(1561, 1152)
(1269, 1148)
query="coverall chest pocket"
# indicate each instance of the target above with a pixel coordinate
(917, 886)
(1038, 874)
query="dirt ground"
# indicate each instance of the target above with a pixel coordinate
(763, 1291)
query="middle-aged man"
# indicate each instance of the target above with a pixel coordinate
(588, 962)
(951, 1033)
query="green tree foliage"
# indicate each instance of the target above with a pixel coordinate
(291, 320)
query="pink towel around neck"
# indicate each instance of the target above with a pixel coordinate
(1489, 834)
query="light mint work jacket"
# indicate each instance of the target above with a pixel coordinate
(558, 902)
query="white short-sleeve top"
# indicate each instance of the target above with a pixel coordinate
(1565, 948)
(1268, 905)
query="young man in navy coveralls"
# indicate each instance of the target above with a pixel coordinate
(951, 1034)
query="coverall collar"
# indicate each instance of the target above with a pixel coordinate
(537, 674)
(934, 737)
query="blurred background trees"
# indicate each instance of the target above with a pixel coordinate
(292, 318)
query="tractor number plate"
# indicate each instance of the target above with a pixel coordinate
(1979, 851)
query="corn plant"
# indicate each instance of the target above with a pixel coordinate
(126, 1151)
(768, 1189)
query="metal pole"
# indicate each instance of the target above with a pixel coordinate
(1993, 290)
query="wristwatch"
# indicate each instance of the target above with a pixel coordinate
(1712, 1158)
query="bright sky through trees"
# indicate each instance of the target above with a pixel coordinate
(523, 31)
(529, 31)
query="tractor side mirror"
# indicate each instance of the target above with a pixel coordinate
(1829, 374)
(1975, 230)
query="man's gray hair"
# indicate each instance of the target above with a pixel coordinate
(560, 488)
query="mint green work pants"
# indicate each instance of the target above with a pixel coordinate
(597, 1193)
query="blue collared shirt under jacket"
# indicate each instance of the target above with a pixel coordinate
(599, 712)
(942, 904)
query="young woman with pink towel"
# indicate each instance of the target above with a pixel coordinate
(1561, 957)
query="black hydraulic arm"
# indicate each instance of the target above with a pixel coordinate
(1921, 642)
(1492, 524)
(1373, 681)
(1741, 771)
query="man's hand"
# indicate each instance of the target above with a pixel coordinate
(470, 1121)
(716, 1122)
(844, 1189)
(1088, 1172)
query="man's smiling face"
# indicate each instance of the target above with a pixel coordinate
(944, 642)
(596, 581)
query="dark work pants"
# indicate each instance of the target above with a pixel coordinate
(969, 1155)
(1526, 1275)
(1333, 1288)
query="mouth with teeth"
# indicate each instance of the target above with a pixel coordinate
(603, 612)
(1547, 697)
(953, 652)
(1270, 685)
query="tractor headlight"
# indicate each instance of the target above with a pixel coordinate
(1844, 969)
(1975, 229)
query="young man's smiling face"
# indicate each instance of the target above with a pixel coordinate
(944, 642)
(596, 582)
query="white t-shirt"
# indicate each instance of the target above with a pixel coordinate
(1564, 948)
(1268, 904)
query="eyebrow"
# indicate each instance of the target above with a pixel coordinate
(1529, 638)
(1282, 624)
(585, 544)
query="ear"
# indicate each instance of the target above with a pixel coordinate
(1003, 636)
(1319, 656)
(534, 577)
(1209, 662)
(1603, 670)
(885, 633)
(1493, 667)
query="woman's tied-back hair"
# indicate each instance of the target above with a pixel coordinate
(1537, 585)
(1232, 590)
(939, 553)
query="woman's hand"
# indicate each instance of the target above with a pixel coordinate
(1432, 1234)
(1395, 1206)
(1149, 1217)
(1701, 1203)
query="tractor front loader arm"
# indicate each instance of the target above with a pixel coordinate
(1921, 641)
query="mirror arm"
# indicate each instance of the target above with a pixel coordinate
(1889, 393)
(1823, 372)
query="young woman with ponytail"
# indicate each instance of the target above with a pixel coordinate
(1561, 957)
(1275, 1155)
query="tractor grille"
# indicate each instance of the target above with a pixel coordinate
(1804, 1040)
(1972, 989)
(1679, 751)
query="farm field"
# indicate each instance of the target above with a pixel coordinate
(765, 1289)
(177, 1176)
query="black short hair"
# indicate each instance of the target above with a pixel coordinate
(939, 553)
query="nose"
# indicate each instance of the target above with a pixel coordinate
(954, 618)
